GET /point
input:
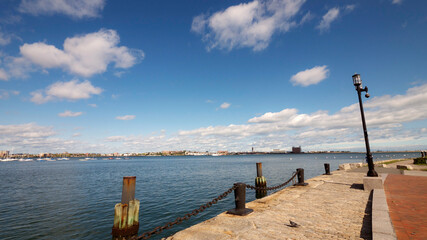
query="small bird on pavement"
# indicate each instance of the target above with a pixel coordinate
(293, 224)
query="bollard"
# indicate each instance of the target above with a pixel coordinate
(300, 177)
(327, 169)
(126, 213)
(260, 181)
(240, 201)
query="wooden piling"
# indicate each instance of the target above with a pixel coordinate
(126, 213)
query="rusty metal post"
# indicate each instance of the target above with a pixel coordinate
(259, 169)
(260, 181)
(126, 213)
(327, 169)
(128, 192)
(240, 201)
(300, 177)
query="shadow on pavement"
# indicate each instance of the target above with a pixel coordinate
(366, 231)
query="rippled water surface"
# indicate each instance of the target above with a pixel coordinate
(75, 199)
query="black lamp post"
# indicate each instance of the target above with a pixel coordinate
(357, 81)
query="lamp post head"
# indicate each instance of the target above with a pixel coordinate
(357, 81)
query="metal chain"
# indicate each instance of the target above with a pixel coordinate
(275, 187)
(178, 220)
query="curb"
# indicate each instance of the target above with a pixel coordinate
(382, 228)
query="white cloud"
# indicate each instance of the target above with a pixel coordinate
(4, 39)
(274, 117)
(126, 117)
(115, 138)
(310, 76)
(3, 75)
(328, 18)
(18, 67)
(119, 74)
(385, 116)
(397, 1)
(225, 105)
(73, 8)
(30, 130)
(387, 119)
(350, 7)
(93, 105)
(5, 94)
(247, 24)
(72, 91)
(70, 114)
(84, 55)
(33, 138)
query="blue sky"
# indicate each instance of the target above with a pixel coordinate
(137, 76)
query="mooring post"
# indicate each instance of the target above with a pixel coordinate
(327, 169)
(300, 177)
(240, 201)
(126, 213)
(260, 181)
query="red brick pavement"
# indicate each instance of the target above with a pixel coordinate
(407, 203)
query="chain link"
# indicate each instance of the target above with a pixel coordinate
(275, 187)
(178, 220)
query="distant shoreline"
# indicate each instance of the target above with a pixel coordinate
(179, 153)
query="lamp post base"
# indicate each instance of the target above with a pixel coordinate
(372, 173)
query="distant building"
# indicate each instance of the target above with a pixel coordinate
(296, 149)
(4, 154)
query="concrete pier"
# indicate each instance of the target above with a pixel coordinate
(330, 207)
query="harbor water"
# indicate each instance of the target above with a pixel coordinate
(73, 199)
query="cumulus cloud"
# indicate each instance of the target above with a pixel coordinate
(126, 117)
(72, 91)
(70, 114)
(310, 76)
(385, 116)
(387, 119)
(84, 55)
(328, 18)
(33, 138)
(249, 24)
(74, 8)
(225, 105)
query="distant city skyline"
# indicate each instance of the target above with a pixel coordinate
(144, 76)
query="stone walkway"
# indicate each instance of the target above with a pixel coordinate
(330, 207)
(406, 199)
